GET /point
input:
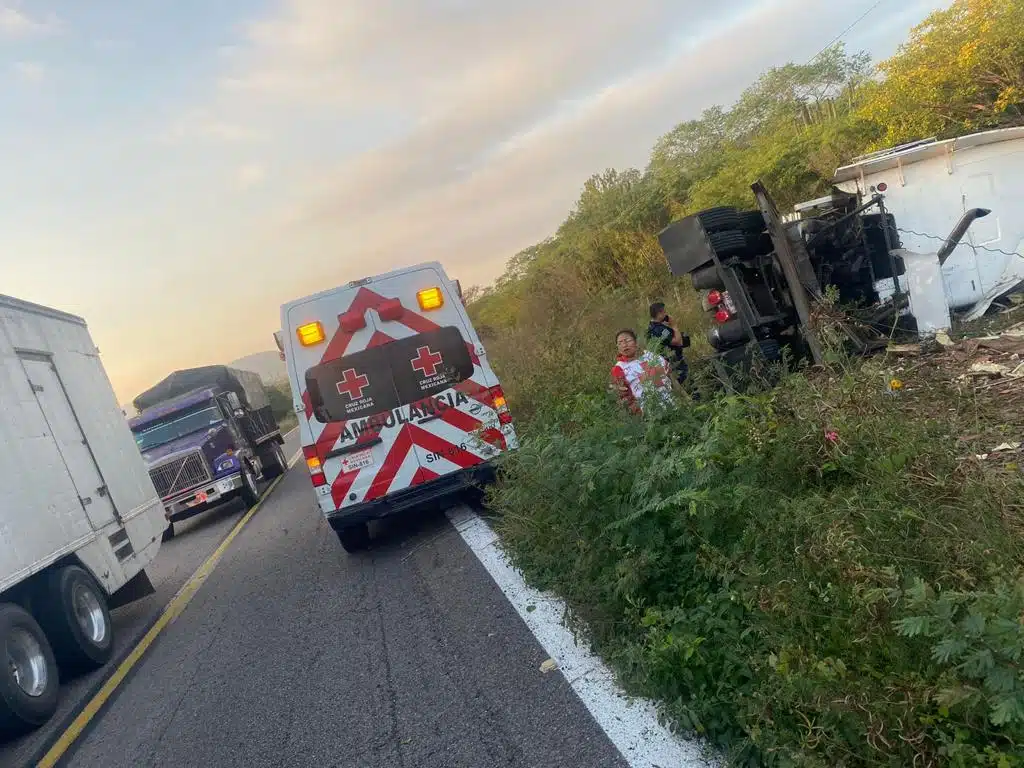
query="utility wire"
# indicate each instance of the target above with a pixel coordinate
(961, 243)
(941, 239)
(846, 31)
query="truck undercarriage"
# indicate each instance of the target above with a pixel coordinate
(760, 274)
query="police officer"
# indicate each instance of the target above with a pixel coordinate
(671, 341)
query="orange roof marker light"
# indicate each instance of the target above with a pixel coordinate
(430, 298)
(310, 333)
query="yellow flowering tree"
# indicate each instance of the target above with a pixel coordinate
(961, 70)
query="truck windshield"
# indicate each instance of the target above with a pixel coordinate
(177, 425)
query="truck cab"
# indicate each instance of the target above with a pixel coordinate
(207, 445)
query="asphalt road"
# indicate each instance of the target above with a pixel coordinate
(177, 560)
(294, 653)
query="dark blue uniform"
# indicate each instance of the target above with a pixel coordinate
(674, 354)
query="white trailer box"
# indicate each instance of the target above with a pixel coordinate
(80, 518)
(928, 185)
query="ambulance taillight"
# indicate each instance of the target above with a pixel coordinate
(500, 405)
(315, 467)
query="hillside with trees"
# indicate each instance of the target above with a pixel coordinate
(824, 574)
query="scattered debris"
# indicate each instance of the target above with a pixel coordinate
(903, 350)
(1002, 448)
(988, 368)
(549, 666)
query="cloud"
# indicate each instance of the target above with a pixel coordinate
(510, 107)
(30, 71)
(202, 125)
(15, 23)
(250, 175)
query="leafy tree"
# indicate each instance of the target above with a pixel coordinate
(280, 396)
(962, 70)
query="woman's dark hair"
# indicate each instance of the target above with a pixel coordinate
(656, 308)
(628, 332)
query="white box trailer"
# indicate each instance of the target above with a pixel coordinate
(80, 519)
(928, 185)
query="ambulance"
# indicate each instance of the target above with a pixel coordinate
(397, 402)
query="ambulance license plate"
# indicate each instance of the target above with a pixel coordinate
(357, 460)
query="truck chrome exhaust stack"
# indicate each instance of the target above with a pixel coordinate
(959, 231)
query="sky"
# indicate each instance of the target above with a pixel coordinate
(175, 170)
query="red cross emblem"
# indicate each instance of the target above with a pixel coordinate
(426, 361)
(352, 384)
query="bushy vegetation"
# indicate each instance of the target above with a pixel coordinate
(810, 576)
(280, 396)
(817, 575)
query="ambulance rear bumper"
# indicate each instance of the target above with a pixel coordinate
(409, 498)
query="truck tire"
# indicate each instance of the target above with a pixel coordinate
(729, 243)
(73, 612)
(354, 538)
(707, 279)
(719, 219)
(250, 492)
(29, 684)
(168, 533)
(274, 462)
(752, 222)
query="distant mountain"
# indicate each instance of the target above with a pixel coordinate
(268, 365)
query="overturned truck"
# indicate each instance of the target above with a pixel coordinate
(759, 274)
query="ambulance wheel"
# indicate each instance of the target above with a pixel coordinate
(354, 538)
(250, 491)
(168, 533)
(29, 684)
(74, 614)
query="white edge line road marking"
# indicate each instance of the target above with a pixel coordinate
(298, 454)
(630, 724)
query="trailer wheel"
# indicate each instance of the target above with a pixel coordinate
(73, 612)
(29, 684)
(250, 491)
(729, 243)
(275, 464)
(707, 279)
(354, 538)
(719, 219)
(752, 222)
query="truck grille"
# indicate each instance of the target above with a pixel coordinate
(180, 474)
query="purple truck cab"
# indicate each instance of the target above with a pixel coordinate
(207, 436)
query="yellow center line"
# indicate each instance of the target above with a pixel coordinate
(173, 610)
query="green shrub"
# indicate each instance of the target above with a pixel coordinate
(758, 564)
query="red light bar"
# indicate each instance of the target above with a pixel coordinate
(352, 321)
